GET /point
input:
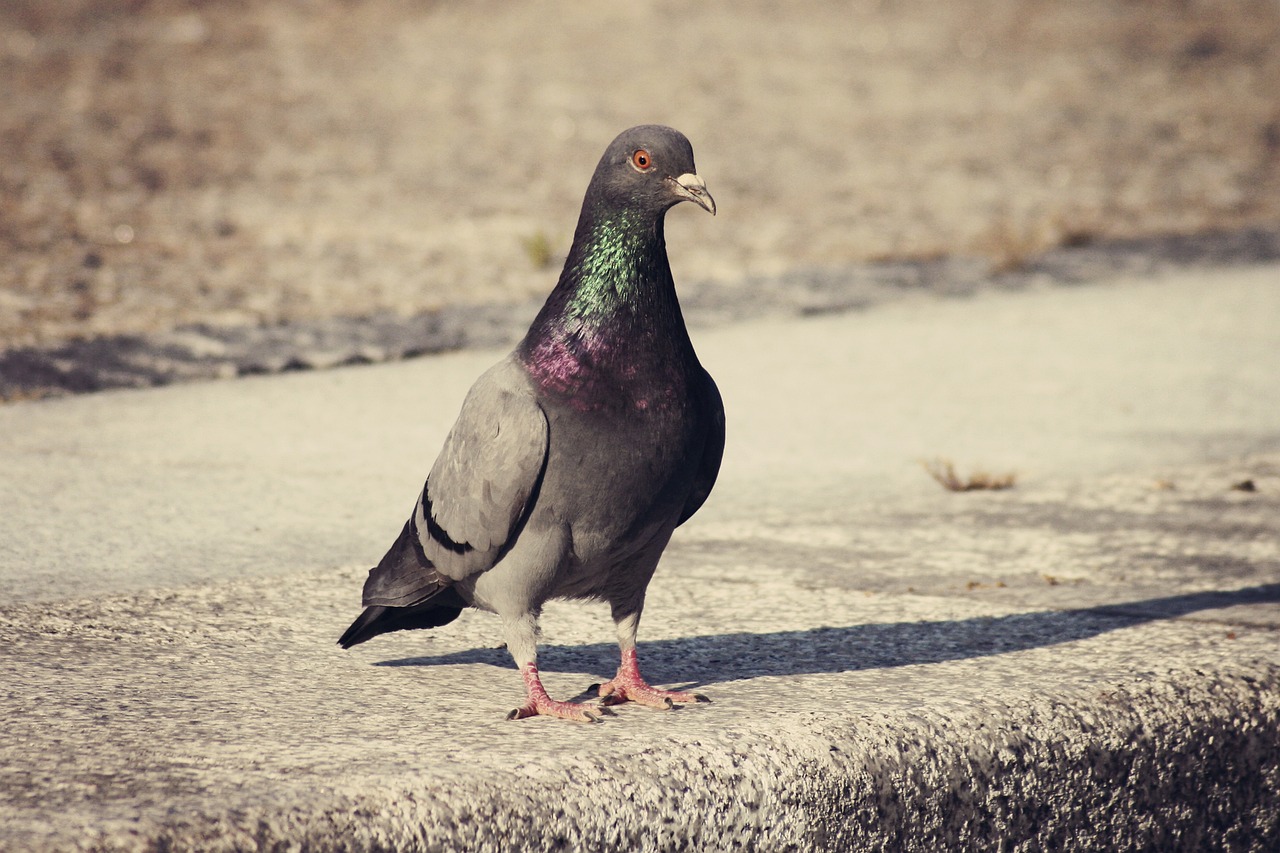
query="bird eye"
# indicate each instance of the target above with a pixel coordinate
(641, 159)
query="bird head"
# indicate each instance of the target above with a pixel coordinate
(650, 169)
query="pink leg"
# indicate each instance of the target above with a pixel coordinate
(540, 704)
(629, 685)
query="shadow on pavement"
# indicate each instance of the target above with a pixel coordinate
(734, 657)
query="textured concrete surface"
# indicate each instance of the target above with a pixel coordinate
(1088, 660)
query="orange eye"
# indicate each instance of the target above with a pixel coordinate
(641, 159)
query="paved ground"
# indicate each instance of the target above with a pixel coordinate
(1088, 659)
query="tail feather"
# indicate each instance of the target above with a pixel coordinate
(404, 591)
(436, 611)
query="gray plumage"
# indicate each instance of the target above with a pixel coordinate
(575, 457)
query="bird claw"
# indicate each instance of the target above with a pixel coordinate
(625, 687)
(573, 711)
(628, 685)
(643, 694)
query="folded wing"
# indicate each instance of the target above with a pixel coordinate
(477, 497)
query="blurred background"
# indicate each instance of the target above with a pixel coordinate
(253, 162)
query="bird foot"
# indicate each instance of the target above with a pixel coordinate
(539, 704)
(577, 711)
(629, 686)
(618, 690)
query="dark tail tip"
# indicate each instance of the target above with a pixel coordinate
(363, 628)
(379, 619)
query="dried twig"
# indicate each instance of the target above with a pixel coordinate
(944, 471)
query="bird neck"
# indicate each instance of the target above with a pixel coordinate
(616, 266)
(614, 314)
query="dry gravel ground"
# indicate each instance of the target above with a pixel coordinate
(248, 163)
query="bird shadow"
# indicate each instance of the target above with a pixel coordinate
(739, 656)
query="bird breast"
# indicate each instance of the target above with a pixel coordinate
(617, 495)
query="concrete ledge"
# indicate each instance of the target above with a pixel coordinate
(1086, 661)
(218, 718)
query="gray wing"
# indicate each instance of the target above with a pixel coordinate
(487, 475)
(479, 492)
(712, 451)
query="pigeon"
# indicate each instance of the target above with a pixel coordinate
(575, 457)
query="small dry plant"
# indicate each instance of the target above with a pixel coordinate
(944, 471)
(1012, 245)
(537, 247)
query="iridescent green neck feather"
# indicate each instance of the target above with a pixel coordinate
(613, 319)
(618, 261)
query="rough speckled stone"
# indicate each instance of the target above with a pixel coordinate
(1088, 660)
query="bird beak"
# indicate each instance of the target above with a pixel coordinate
(689, 187)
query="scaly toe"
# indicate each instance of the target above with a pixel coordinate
(559, 710)
(650, 697)
(653, 698)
